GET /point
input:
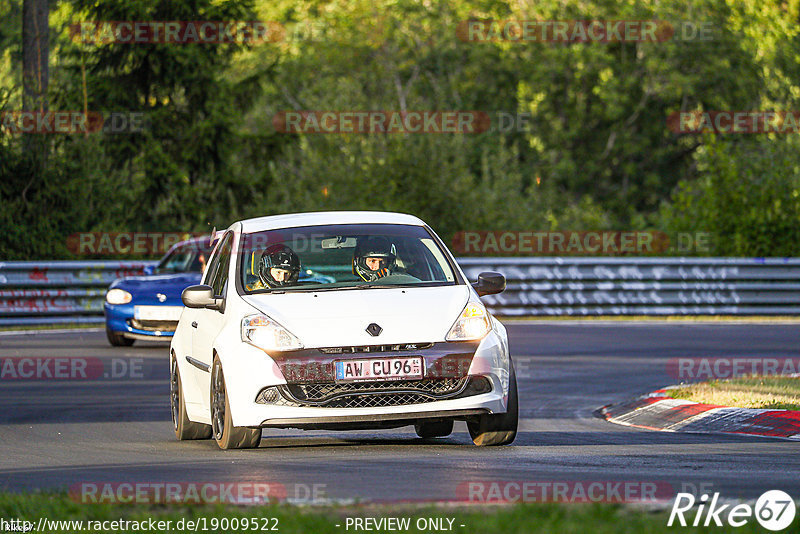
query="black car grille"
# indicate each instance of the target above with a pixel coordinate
(378, 400)
(154, 326)
(380, 394)
(376, 348)
(322, 392)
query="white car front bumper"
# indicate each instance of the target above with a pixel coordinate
(249, 370)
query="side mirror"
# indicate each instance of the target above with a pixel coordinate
(200, 296)
(490, 283)
(149, 269)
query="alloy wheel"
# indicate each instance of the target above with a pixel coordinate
(218, 402)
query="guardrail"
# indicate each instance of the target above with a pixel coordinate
(73, 291)
(642, 286)
(59, 291)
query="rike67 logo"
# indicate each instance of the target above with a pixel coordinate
(774, 510)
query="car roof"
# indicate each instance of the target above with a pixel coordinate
(319, 218)
(200, 243)
(193, 240)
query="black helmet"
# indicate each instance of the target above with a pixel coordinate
(374, 247)
(279, 257)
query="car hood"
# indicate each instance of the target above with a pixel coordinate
(171, 285)
(340, 318)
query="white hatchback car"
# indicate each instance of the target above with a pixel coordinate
(381, 331)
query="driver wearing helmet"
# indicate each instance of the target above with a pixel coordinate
(279, 267)
(374, 258)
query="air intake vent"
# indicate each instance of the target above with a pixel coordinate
(376, 348)
(379, 394)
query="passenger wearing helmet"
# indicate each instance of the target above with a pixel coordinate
(279, 266)
(374, 258)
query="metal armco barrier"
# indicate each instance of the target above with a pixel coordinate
(59, 291)
(642, 286)
(73, 291)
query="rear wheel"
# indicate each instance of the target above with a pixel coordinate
(434, 429)
(118, 340)
(227, 435)
(501, 428)
(184, 428)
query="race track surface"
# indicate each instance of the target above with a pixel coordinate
(58, 433)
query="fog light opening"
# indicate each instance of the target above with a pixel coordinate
(268, 395)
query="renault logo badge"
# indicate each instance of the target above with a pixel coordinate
(374, 330)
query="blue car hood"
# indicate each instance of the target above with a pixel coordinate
(171, 285)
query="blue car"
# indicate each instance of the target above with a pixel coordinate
(149, 306)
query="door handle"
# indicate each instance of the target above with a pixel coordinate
(194, 324)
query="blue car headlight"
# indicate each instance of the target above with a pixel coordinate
(118, 296)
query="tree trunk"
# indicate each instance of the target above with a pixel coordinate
(35, 53)
(35, 77)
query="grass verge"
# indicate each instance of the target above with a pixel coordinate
(511, 519)
(772, 392)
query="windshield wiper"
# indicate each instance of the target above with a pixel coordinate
(376, 286)
(339, 288)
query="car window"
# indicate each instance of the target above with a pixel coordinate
(186, 257)
(218, 275)
(343, 256)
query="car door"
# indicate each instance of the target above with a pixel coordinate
(188, 327)
(209, 322)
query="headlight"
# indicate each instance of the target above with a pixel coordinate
(118, 296)
(265, 333)
(473, 323)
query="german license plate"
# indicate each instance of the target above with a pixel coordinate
(157, 313)
(408, 368)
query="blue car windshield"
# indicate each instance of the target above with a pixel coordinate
(189, 257)
(350, 256)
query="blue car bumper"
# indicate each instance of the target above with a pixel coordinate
(120, 320)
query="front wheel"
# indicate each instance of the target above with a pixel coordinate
(184, 428)
(117, 339)
(501, 428)
(227, 435)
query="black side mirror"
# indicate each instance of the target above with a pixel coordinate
(200, 296)
(490, 283)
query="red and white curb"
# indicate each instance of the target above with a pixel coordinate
(656, 411)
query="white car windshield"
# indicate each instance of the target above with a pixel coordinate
(352, 256)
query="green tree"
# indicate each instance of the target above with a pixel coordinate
(748, 197)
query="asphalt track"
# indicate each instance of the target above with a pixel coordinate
(57, 433)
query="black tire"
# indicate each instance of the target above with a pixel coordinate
(118, 340)
(185, 429)
(501, 428)
(226, 435)
(434, 429)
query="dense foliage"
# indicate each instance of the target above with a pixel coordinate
(595, 151)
